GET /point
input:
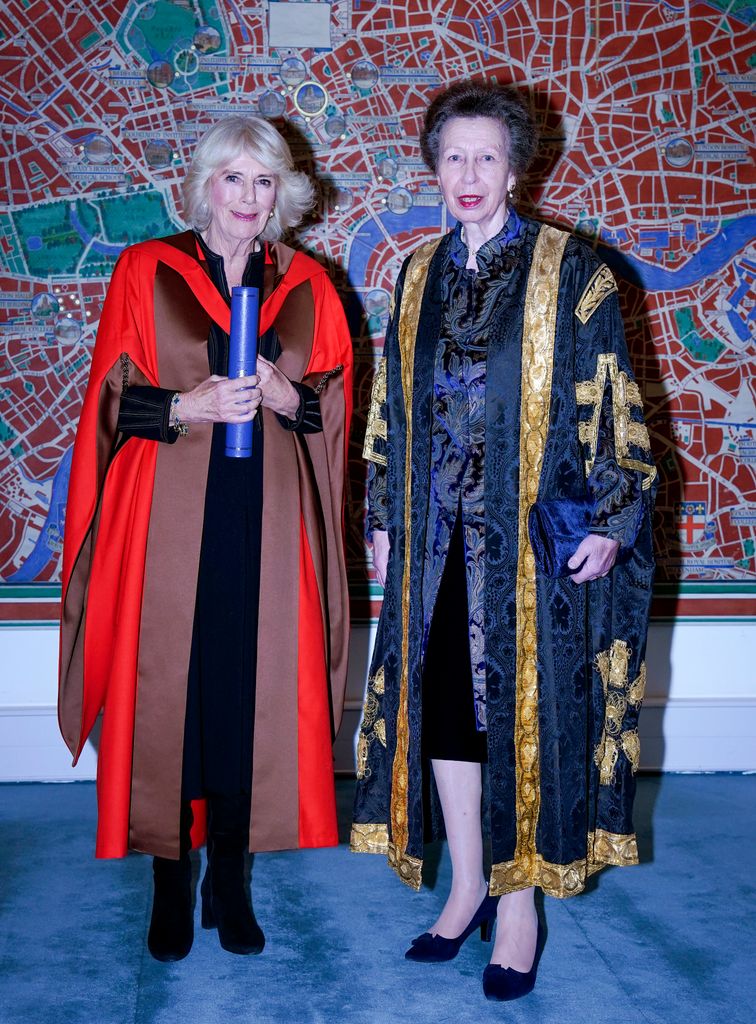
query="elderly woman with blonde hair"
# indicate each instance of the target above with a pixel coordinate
(204, 597)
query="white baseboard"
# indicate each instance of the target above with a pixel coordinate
(677, 734)
(32, 749)
(699, 713)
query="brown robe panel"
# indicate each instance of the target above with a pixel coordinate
(170, 579)
(327, 456)
(275, 794)
(74, 611)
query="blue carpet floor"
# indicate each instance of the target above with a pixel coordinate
(670, 941)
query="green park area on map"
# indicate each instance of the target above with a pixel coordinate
(165, 31)
(56, 238)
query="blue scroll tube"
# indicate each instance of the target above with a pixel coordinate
(242, 361)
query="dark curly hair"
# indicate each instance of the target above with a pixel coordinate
(476, 98)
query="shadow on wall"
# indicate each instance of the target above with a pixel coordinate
(646, 365)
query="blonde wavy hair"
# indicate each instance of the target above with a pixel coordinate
(219, 147)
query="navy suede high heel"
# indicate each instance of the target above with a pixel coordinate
(505, 983)
(435, 949)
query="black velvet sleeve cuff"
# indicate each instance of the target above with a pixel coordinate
(308, 419)
(145, 412)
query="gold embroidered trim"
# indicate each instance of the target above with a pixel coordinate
(600, 285)
(637, 434)
(613, 667)
(409, 869)
(631, 745)
(371, 727)
(627, 431)
(610, 848)
(564, 880)
(646, 468)
(376, 424)
(409, 318)
(368, 838)
(379, 681)
(637, 688)
(374, 839)
(537, 362)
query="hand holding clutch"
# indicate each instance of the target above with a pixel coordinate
(556, 529)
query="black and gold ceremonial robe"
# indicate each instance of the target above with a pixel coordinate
(564, 671)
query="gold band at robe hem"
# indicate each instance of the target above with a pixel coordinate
(374, 839)
(409, 319)
(539, 332)
(409, 869)
(559, 880)
(565, 880)
(368, 838)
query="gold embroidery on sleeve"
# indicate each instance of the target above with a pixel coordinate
(376, 424)
(600, 285)
(627, 431)
(612, 666)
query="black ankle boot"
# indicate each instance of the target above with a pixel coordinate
(225, 897)
(172, 923)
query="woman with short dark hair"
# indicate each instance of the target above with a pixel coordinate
(510, 487)
(204, 596)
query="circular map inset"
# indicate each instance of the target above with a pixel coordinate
(678, 153)
(365, 74)
(158, 153)
(292, 72)
(271, 104)
(207, 39)
(186, 62)
(161, 74)
(44, 305)
(98, 150)
(377, 302)
(310, 99)
(399, 200)
(67, 329)
(335, 126)
(341, 199)
(388, 167)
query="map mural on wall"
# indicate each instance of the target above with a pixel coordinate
(646, 111)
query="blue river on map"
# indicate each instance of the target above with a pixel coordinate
(42, 553)
(713, 255)
(100, 247)
(650, 277)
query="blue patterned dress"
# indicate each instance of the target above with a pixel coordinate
(470, 301)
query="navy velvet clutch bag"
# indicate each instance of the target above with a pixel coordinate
(556, 529)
